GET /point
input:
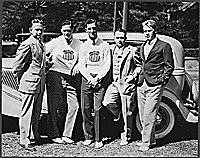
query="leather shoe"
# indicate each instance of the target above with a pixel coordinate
(123, 142)
(144, 148)
(87, 142)
(67, 140)
(98, 144)
(140, 144)
(58, 141)
(28, 147)
(39, 141)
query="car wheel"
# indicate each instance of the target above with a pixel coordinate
(165, 121)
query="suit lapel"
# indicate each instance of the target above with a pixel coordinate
(125, 52)
(142, 51)
(40, 48)
(124, 57)
(154, 49)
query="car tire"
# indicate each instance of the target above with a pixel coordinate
(195, 93)
(165, 121)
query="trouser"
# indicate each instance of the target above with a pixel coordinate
(62, 98)
(91, 99)
(30, 117)
(149, 99)
(110, 101)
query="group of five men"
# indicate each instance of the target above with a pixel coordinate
(95, 75)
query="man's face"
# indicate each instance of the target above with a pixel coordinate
(149, 33)
(67, 31)
(120, 39)
(37, 30)
(92, 31)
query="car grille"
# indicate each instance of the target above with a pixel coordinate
(9, 80)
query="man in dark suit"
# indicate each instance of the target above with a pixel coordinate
(157, 67)
(29, 70)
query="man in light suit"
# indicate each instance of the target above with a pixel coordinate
(124, 85)
(29, 70)
(157, 67)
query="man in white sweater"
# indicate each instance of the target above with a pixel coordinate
(94, 65)
(63, 84)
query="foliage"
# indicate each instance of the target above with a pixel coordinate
(16, 17)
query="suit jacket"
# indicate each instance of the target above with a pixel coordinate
(159, 65)
(29, 66)
(127, 67)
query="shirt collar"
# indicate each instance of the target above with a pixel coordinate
(71, 40)
(119, 49)
(35, 40)
(91, 41)
(152, 42)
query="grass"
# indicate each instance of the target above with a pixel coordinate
(182, 142)
(184, 148)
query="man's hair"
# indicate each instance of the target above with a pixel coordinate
(36, 21)
(66, 22)
(90, 21)
(151, 24)
(121, 30)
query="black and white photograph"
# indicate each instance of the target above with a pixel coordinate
(100, 78)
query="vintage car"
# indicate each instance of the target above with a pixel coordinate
(9, 48)
(180, 97)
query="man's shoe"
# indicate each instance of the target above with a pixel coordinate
(39, 141)
(67, 140)
(28, 147)
(98, 144)
(123, 142)
(87, 142)
(144, 148)
(140, 144)
(58, 141)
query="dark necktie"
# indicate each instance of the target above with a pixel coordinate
(41, 45)
(93, 42)
(148, 42)
(69, 41)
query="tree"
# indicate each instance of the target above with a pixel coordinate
(18, 14)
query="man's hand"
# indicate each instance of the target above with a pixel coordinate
(93, 81)
(75, 70)
(48, 65)
(128, 78)
(136, 72)
(17, 79)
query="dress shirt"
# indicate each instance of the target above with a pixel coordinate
(148, 46)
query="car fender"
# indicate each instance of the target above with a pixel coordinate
(187, 115)
(11, 101)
